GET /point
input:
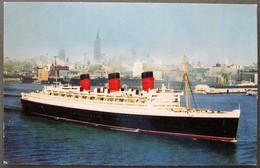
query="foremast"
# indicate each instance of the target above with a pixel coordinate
(56, 73)
(186, 79)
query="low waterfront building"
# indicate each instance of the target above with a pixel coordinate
(43, 74)
(58, 67)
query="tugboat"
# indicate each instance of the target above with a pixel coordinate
(150, 110)
(27, 79)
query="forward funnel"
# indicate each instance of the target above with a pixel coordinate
(84, 82)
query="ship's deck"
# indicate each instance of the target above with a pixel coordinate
(155, 103)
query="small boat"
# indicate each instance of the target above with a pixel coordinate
(252, 92)
(27, 79)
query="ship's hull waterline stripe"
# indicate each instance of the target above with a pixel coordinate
(140, 130)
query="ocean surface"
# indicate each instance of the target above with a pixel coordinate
(32, 140)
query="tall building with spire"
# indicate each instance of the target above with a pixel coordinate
(97, 50)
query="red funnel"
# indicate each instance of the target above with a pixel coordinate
(84, 82)
(147, 80)
(114, 81)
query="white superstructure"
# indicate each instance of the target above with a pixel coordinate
(154, 102)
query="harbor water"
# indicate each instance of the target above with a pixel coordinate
(32, 140)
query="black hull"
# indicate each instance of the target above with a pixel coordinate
(224, 129)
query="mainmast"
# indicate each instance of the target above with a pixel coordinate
(186, 80)
(56, 74)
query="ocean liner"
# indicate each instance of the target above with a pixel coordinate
(150, 110)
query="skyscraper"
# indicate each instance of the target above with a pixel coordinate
(62, 55)
(226, 62)
(97, 50)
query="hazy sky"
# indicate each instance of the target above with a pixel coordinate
(209, 32)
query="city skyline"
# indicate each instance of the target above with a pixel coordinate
(210, 33)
